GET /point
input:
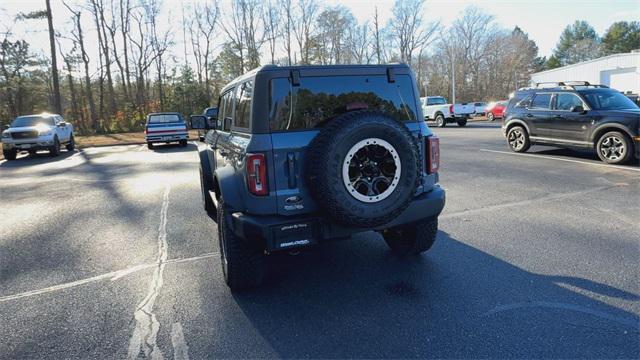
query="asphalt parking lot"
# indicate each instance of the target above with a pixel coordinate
(107, 253)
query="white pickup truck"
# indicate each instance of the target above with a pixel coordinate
(37, 132)
(437, 109)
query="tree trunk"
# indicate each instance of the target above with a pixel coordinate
(54, 63)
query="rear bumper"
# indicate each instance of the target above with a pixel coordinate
(285, 232)
(166, 137)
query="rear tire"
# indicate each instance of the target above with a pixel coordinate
(440, 121)
(462, 122)
(150, 145)
(54, 150)
(10, 154)
(183, 143)
(72, 144)
(518, 139)
(614, 147)
(490, 117)
(242, 260)
(412, 239)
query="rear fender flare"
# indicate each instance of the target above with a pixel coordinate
(226, 182)
(600, 130)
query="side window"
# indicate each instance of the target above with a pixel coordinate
(226, 113)
(566, 101)
(541, 102)
(243, 110)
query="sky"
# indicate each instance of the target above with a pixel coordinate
(543, 20)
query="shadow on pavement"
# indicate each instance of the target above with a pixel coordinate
(354, 299)
(173, 148)
(42, 157)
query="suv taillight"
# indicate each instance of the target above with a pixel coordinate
(433, 154)
(257, 174)
(451, 109)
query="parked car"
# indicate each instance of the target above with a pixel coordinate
(37, 132)
(480, 108)
(165, 128)
(305, 154)
(212, 114)
(495, 110)
(580, 115)
(436, 108)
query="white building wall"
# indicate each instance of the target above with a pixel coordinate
(619, 71)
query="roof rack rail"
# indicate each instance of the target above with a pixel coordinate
(566, 85)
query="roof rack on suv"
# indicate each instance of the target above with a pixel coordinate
(564, 85)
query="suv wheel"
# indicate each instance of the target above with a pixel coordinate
(440, 121)
(412, 239)
(490, 116)
(462, 122)
(242, 260)
(362, 168)
(72, 144)
(150, 145)
(183, 143)
(518, 139)
(54, 150)
(614, 148)
(206, 185)
(10, 154)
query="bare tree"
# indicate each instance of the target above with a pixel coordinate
(303, 25)
(408, 29)
(287, 27)
(377, 37)
(271, 25)
(206, 19)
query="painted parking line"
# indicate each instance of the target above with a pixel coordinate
(565, 160)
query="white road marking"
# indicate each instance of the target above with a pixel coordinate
(566, 160)
(180, 348)
(113, 276)
(147, 325)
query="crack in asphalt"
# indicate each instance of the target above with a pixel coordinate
(147, 324)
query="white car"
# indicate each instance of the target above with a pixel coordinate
(436, 108)
(37, 132)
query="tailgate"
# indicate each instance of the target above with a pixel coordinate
(459, 109)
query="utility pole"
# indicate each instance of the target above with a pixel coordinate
(453, 78)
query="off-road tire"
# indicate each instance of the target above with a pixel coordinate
(242, 260)
(526, 143)
(206, 185)
(441, 121)
(54, 150)
(71, 145)
(412, 239)
(10, 154)
(623, 140)
(325, 159)
(183, 143)
(491, 117)
(150, 145)
(462, 122)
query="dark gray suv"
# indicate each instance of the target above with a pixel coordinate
(306, 154)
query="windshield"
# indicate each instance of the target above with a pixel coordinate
(24, 121)
(436, 101)
(164, 118)
(608, 100)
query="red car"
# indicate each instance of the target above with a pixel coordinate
(496, 109)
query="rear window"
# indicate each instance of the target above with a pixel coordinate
(164, 118)
(32, 121)
(318, 99)
(436, 101)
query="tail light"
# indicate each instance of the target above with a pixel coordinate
(451, 108)
(257, 174)
(433, 154)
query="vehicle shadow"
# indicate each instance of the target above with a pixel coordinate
(173, 148)
(354, 299)
(42, 157)
(582, 154)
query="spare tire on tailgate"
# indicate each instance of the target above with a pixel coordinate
(362, 168)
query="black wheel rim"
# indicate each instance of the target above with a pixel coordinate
(371, 170)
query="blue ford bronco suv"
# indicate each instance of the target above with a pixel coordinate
(305, 154)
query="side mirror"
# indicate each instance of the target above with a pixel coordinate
(198, 122)
(62, 124)
(578, 109)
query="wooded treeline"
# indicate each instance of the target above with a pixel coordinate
(145, 64)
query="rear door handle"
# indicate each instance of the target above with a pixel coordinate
(529, 115)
